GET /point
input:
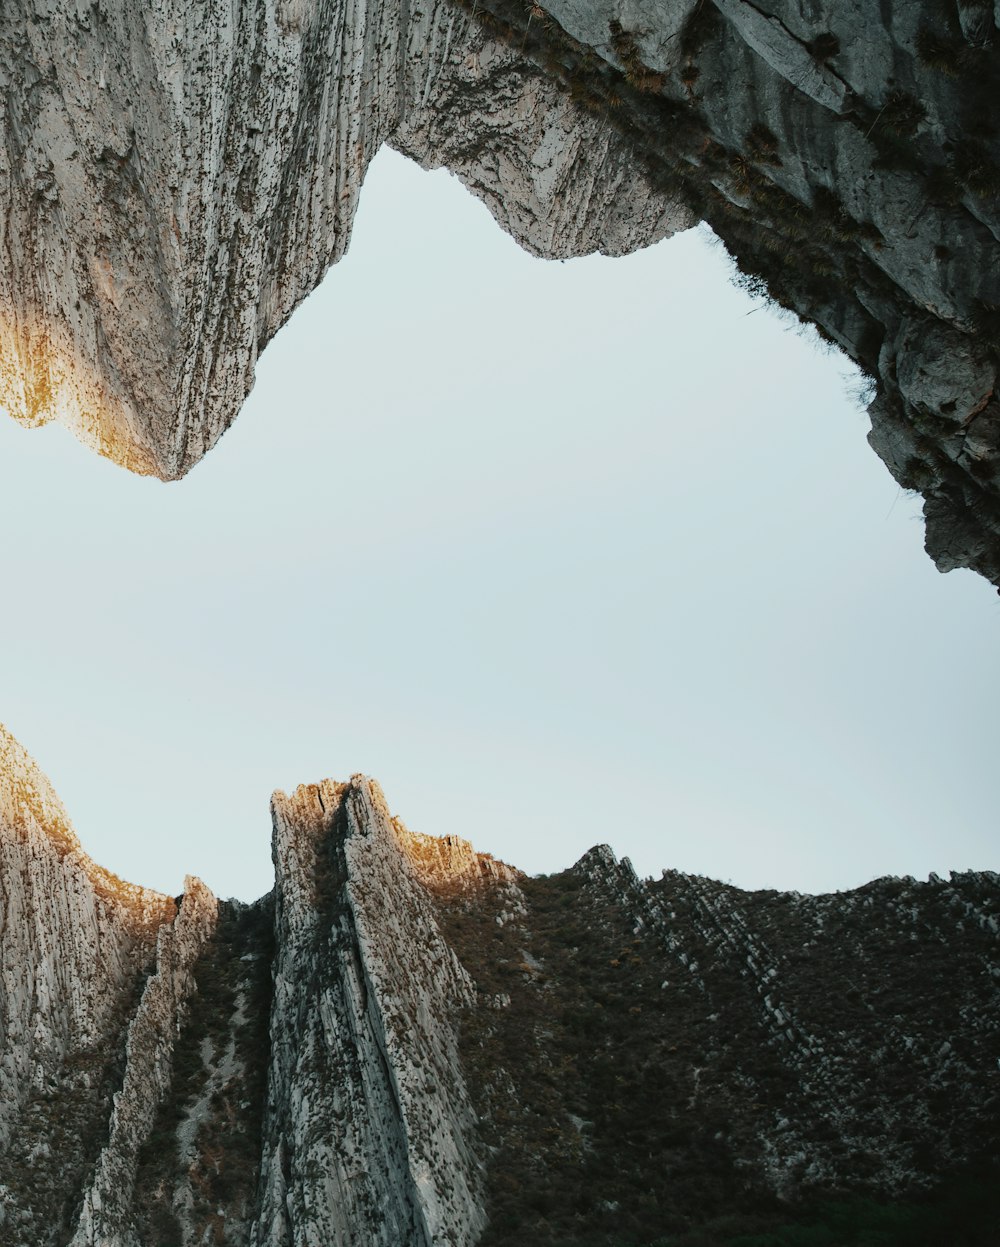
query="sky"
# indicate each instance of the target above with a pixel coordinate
(560, 553)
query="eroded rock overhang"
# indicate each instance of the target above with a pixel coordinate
(177, 180)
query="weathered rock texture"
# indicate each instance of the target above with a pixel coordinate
(75, 946)
(848, 156)
(369, 1135)
(410, 1044)
(176, 178)
(649, 1054)
(195, 1071)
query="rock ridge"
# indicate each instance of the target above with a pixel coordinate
(364, 985)
(149, 1042)
(75, 944)
(176, 181)
(410, 1044)
(722, 1047)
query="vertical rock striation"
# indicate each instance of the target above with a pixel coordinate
(849, 158)
(410, 1044)
(75, 943)
(175, 180)
(646, 1053)
(369, 1134)
(149, 1049)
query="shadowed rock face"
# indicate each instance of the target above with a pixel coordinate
(848, 156)
(409, 1044)
(175, 180)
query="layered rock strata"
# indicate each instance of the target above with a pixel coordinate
(413, 1044)
(648, 1055)
(849, 158)
(279, 1074)
(76, 945)
(371, 1139)
(174, 182)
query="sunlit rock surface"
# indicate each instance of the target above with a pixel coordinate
(409, 1043)
(176, 178)
(75, 944)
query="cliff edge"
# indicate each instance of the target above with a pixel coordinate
(174, 181)
(409, 1044)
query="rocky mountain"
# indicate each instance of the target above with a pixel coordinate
(411, 1043)
(176, 178)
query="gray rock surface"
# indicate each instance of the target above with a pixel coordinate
(174, 181)
(105, 1220)
(369, 1137)
(409, 1044)
(849, 158)
(75, 943)
(365, 1131)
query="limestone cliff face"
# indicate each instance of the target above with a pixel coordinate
(649, 1054)
(106, 1217)
(278, 1074)
(369, 1135)
(849, 157)
(75, 943)
(412, 1044)
(175, 180)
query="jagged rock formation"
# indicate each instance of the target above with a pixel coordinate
(411, 1044)
(174, 182)
(372, 1135)
(75, 946)
(344, 1118)
(149, 1043)
(849, 157)
(667, 1049)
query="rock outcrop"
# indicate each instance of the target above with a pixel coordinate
(849, 157)
(75, 945)
(175, 181)
(648, 1055)
(369, 1134)
(149, 1044)
(412, 1044)
(279, 1074)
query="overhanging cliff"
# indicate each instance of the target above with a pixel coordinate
(175, 181)
(409, 1043)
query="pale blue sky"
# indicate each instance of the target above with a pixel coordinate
(560, 553)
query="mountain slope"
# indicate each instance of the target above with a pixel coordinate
(408, 1042)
